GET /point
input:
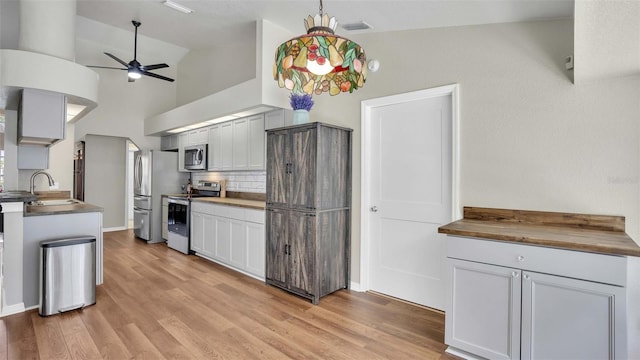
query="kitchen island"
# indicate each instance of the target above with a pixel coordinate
(531, 284)
(25, 226)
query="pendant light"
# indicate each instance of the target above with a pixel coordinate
(320, 61)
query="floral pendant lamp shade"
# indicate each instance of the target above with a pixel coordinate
(320, 61)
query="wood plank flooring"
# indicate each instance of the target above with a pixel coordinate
(157, 303)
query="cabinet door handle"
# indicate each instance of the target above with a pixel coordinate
(285, 249)
(527, 277)
(515, 274)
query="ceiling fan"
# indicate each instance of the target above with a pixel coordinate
(135, 70)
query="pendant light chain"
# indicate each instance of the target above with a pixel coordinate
(320, 7)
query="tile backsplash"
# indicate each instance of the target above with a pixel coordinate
(241, 181)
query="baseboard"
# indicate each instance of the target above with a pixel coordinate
(13, 309)
(461, 354)
(354, 286)
(116, 228)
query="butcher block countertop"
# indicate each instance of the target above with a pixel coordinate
(581, 232)
(251, 204)
(233, 198)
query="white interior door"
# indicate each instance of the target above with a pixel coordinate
(409, 190)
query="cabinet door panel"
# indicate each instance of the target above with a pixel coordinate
(223, 238)
(303, 168)
(278, 179)
(226, 145)
(256, 138)
(197, 232)
(565, 318)
(255, 249)
(214, 156)
(302, 242)
(276, 242)
(183, 140)
(240, 144)
(238, 244)
(483, 309)
(209, 235)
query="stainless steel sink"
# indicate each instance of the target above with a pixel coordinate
(55, 202)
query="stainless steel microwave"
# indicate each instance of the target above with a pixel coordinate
(195, 157)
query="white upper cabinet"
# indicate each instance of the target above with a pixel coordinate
(240, 144)
(183, 139)
(42, 117)
(215, 149)
(199, 136)
(278, 118)
(226, 148)
(256, 143)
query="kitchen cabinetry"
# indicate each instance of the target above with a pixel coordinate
(231, 236)
(183, 140)
(33, 157)
(278, 118)
(169, 142)
(215, 149)
(248, 143)
(513, 301)
(237, 145)
(308, 209)
(41, 117)
(226, 146)
(198, 136)
(240, 144)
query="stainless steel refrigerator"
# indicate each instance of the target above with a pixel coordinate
(154, 173)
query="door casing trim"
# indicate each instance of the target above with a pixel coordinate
(366, 108)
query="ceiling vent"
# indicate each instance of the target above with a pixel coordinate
(361, 25)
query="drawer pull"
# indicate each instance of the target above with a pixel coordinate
(520, 258)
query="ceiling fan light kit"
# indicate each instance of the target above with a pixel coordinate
(320, 61)
(135, 70)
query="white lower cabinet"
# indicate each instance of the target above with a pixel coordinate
(512, 301)
(228, 235)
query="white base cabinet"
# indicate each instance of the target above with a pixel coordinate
(231, 236)
(513, 301)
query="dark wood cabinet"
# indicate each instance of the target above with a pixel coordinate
(308, 214)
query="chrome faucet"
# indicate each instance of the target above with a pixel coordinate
(33, 177)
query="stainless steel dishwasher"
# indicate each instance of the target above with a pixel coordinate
(67, 274)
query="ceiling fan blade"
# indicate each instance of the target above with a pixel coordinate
(154, 66)
(105, 67)
(118, 60)
(157, 76)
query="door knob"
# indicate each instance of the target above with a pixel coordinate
(374, 209)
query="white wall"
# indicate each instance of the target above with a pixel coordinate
(203, 72)
(530, 139)
(123, 106)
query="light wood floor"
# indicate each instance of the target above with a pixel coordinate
(157, 303)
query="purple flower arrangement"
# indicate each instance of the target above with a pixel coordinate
(301, 101)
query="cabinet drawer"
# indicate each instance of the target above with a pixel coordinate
(254, 216)
(602, 268)
(226, 211)
(202, 207)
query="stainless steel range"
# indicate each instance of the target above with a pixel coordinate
(180, 213)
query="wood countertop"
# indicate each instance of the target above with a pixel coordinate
(61, 209)
(592, 233)
(250, 204)
(240, 199)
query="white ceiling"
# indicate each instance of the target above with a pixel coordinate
(213, 18)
